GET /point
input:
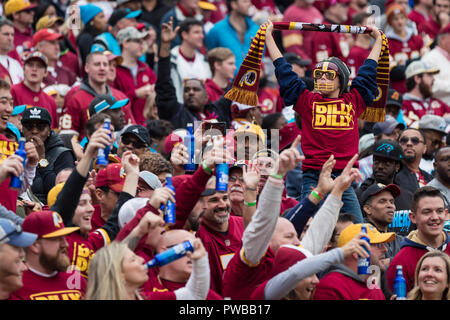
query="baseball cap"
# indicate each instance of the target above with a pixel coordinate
(387, 127)
(293, 58)
(171, 141)
(238, 108)
(14, 235)
(121, 13)
(251, 129)
(36, 113)
(46, 224)
(88, 12)
(130, 33)
(105, 102)
(150, 179)
(288, 255)
(377, 188)
(13, 6)
(14, 130)
(45, 35)
(375, 236)
(388, 149)
(129, 209)
(394, 98)
(288, 134)
(419, 67)
(48, 22)
(52, 195)
(111, 56)
(18, 109)
(113, 176)
(205, 5)
(139, 131)
(433, 122)
(36, 55)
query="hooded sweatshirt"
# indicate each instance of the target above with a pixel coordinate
(412, 249)
(341, 283)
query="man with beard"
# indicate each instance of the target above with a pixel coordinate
(47, 276)
(441, 180)
(433, 128)
(411, 177)
(419, 101)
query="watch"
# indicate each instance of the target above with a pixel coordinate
(43, 163)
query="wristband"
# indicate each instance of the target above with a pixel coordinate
(316, 194)
(277, 176)
(205, 167)
(250, 204)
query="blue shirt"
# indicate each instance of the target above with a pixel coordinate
(224, 35)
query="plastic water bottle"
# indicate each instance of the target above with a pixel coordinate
(16, 182)
(400, 284)
(169, 211)
(364, 263)
(189, 141)
(102, 155)
(172, 254)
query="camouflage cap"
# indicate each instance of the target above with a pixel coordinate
(130, 33)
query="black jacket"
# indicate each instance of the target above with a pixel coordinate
(59, 158)
(407, 181)
(169, 108)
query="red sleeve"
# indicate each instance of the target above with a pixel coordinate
(71, 120)
(125, 231)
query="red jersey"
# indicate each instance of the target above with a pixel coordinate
(326, 123)
(22, 40)
(158, 284)
(431, 28)
(23, 95)
(213, 90)
(70, 61)
(328, 44)
(59, 75)
(268, 99)
(58, 286)
(76, 112)
(414, 110)
(127, 83)
(8, 197)
(221, 248)
(81, 250)
(418, 18)
(356, 58)
(338, 286)
(400, 52)
(240, 279)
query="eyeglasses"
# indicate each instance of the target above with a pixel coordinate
(39, 125)
(136, 144)
(414, 140)
(329, 74)
(18, 230)
(235, 178)
(139, 41)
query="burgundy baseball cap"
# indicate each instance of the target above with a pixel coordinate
(113, 176)
(171, 141)
(45, 35)
(288, 255)
(46, 224)
(288, 134)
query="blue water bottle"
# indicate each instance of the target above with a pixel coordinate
(189, 142)
(400, 284)
(16, 182)
(102, 154)
(222, 177)
(364, 263)
(169, 211)
(172, 254)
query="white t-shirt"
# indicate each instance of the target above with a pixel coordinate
(14, 68)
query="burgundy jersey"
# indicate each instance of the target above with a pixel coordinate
(8, 197)
(97, 221)
(326, 123)
(23, 95)
(355, 59)
(213, 90)
(414, 110)
(241, 278)
(58, 286)
(221, 248)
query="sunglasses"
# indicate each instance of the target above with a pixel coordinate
(329, 74)
(134, 143)
(39, 125)
(18, 230)
(414, 140)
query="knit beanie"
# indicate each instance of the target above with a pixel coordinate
(344, 73)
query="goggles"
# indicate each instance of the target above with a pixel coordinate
(329, 74)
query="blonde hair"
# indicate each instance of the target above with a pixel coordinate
(415, 293)
(105, 281)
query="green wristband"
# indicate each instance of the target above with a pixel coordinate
(250, 204)
(316, 195)
(277, 176)
(205, 167)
